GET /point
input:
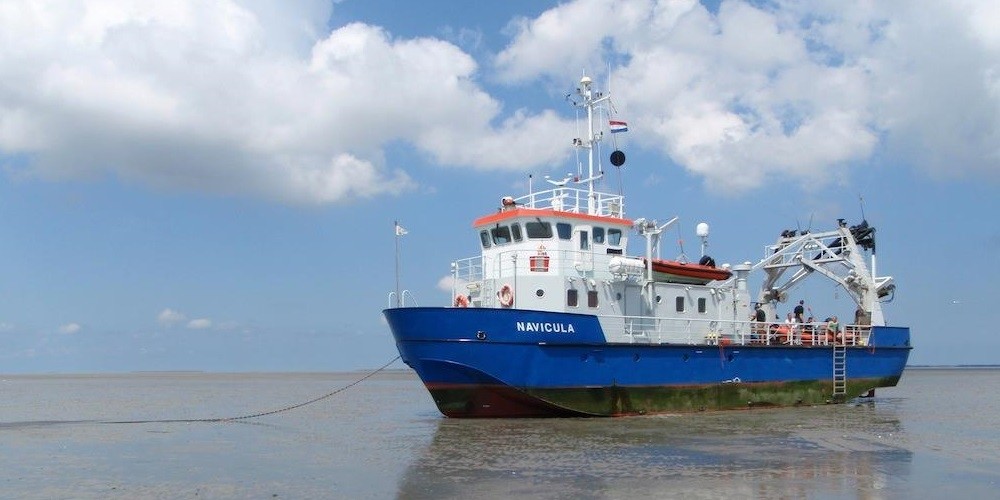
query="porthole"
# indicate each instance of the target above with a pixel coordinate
(539, 292)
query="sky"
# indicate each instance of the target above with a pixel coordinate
(212, 185)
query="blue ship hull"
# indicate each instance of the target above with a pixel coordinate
(482, 362)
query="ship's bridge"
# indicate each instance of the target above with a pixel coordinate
(545, 238)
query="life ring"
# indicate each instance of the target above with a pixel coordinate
(461, 301)
(506, 295)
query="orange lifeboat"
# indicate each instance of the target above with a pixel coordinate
(672, 271)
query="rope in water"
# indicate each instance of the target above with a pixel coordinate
(261, 414)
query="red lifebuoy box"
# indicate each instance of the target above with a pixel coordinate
(539, 263)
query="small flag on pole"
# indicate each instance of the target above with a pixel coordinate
(400, 230)
(618, 126)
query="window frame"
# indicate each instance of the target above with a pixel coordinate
(615, 240)
(572, 297)
(515, 231)
(564, 230)
(531, 228)
(496, 235)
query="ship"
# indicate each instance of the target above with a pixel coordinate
(556, 318)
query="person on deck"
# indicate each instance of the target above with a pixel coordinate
(787, 330)
(809, 331)
(760, 323)
(800, 311)
(833, 329)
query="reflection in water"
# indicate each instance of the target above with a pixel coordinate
(835, 450)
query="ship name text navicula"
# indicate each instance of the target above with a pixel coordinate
(530, 326)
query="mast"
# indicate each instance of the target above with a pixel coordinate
(400, 231)
(590, 101)
(398, 301)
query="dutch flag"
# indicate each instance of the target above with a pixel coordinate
(617, 126)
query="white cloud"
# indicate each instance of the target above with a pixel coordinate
(70, 328)
(446, 283)
(169, 317)
(788, 90)
(570, 38)
(6, 327)
(199, 324)
(239, 97)
(258, 98)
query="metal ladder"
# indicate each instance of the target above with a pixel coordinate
(839, 372)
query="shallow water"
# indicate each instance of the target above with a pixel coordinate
(936, 435)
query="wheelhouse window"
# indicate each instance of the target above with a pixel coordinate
(598, 235)
(515, 231)
(484, 238)
(702, 305)
(680, 304)
(565, 230)
(501, 235)
(591, 298)
(572, 297)
(584, 240)
(538, 230)
(615, 237)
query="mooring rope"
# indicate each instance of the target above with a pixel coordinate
(256, 415)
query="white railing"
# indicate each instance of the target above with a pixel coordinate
(402, 299)
(574, 200)
(468, 270)
(520, 262)
(809, 334)
(667, 330)
(675, 330)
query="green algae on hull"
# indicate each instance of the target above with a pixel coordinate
(493, 400)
